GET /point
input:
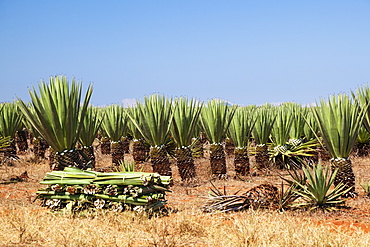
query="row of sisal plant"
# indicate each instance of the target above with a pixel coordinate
(60, 115)
(283, 134)
(10, 124)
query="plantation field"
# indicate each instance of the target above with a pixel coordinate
(24, 223)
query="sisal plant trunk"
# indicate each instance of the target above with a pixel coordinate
(21, 140)
(218, 160)
(118, 154)
(362, 149)
(262, 157)
(88, 156)
(229, 147)
(39, 147)
(67, 158)
(160, 161)
(30, 136)
(345, 175)
(279, 162)
(185, 163)
(126, 144)
(11, 150)
(139, 151)
(105, 145)
(52, 162)
(197, 148)
(241, 161)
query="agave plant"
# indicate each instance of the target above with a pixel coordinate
(57, 115)
(126, 166)
(21, 138)
(265, 119)
(215, 119)
(199, 139)
(288, 196)
(153, 119)
(297, 134)
(104, 140)
(362, 97)
(185, 120)
(115, 125)
(280, 134)
(91, 125)
(289, 126)
(339, 120)
(310, 129)
(362, 148)
(4, 141)
(10, 123)
(40, 146)
(240, 132)
(317, 192)
(140, 149)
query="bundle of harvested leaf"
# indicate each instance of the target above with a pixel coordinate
(76, 189)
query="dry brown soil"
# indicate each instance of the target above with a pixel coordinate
(189, 196)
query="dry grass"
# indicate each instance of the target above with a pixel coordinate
(24, 223)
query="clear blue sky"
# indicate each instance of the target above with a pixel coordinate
(246, 52)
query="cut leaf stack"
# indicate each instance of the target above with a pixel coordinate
(77, 189)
